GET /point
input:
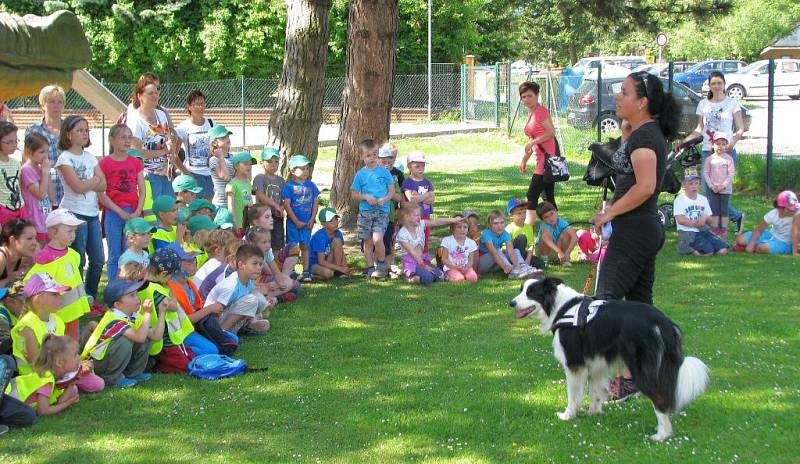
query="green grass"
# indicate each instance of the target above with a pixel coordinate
(390, 372)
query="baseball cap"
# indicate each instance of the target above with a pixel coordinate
(469, 213)
(119, 288)
(217, 132)
(269, 153)
(297, 161)
(787, 199)
(719, 135)
(514, 203)
(183, 214)
(185, 182)
(61, 216)
(243, 157)
(199, 222)
(327, 214)
(201, 203)
(384, 153)
(182, 254)
(163, 203)
(166, 260)
(138, 225)
(690, 175)
(224, 218)
(135, 153)
(415, 156)
(42, 282)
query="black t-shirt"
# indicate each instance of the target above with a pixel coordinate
(649, 136)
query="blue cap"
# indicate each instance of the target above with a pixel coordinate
(182, 254)
(120, 287)
(166, 260)
(514, 203)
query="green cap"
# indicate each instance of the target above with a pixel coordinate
(201, 203)
(183, 214)
(135, 153)
(185, 182)
(199, 222)
(217, 132)
(163, 203)
(138, 225)
(327, 214)
(297, 161)
(269, 153)
(223, 218)
(242, 157)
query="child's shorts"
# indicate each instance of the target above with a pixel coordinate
(703, 242)
(776, 247)
(372, 221)
(295, 235)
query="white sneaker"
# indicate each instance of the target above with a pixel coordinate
(517, 273)
(530, 270)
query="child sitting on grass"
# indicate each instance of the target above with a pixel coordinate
(459, 253)
(692, 219)
(522, 233)
(492, 256)
(556, 237)
(327, 248)
(271, 282)
(417, 265)
(138, 232)
(779, 231)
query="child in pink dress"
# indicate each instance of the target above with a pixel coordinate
(719, 171)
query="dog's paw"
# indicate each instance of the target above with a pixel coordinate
(566, 415)
(659, 436)
(594, 411)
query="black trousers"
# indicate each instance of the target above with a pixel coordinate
(13, 413)
(539, 186)
(628, 269)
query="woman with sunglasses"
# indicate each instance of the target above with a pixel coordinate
(629, 267)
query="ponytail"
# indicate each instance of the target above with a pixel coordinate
(661, 105)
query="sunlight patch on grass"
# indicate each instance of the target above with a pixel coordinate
(349, 323)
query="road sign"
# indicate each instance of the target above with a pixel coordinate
(661, 40)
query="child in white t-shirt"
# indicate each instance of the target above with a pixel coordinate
(778, 232)
(692, 219)
(459, 253)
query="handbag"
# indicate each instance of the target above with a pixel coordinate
(601, 166)
(555, 166)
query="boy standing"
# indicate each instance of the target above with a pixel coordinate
(692, 219)
(373, 188)
(301, 201)
(268, 188)
(327, 248)
(387, 156)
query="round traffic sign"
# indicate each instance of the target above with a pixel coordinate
(661, 39)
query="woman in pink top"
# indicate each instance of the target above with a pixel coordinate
(719, 171)
(542, 141)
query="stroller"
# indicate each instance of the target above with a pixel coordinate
(687, 154)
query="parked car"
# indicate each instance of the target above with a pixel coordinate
(571, 77)
(582, 109)
(630, 62)
(697, 74)
(662, 69)
(753, 80)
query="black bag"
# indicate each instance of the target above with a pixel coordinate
(600, 165)
(555, 166)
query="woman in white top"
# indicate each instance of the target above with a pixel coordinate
(719, 113)
(192, 134)
(152, 133)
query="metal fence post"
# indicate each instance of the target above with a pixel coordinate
(497, 95)
(508, 97)
(244, 118)
(463, 92)
(671, 75)
(770, 104)
(599, 101)
(103, 124)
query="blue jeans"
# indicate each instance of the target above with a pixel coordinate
(89, 240)
(733, 213)
(201, 345)
(160, 185)
(206, 184)
(117, 240)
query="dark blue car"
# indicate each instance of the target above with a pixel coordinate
(697, 74)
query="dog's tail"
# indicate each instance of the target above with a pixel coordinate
(692, 382)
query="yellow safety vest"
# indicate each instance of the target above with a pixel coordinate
(26, 385)
(166, 235)
(201, 256)
(178, 324)
(98, 350)
(8, 314)
(147, 206)
(66, 270)
(30, 319)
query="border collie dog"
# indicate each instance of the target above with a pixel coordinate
(595, 339)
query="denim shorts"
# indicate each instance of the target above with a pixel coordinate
(776, 247)
(372, 221)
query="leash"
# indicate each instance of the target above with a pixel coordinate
(596, 265)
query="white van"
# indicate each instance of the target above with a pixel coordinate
(592, 62)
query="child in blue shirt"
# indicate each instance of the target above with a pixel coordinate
(300, 200)
(373, 188)
(327, 248)
(556, 237)
(492, 255)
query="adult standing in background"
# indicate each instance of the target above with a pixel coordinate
(152, 133)
(719, 113)
(51, 99)
(542, 141)
(192, 134)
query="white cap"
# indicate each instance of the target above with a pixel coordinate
(720, 135)
(415, 156)
(61, 216)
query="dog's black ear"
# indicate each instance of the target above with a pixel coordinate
(552, 283)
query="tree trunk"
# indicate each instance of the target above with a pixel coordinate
(294, 125)
(367, 95)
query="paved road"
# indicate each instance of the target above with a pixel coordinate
(786, 136)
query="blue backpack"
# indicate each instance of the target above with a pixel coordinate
(216, 366)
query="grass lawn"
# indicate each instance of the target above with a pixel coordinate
(390, 372)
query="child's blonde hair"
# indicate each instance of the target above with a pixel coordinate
(390, 147)
(53, 346)
(232, 247)
(217, 239)
(200, 237)
(132, 271)
(406, 211)
(453, 225)
(114, 133)
(493, 214)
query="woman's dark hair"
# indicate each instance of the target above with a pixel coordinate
(660, 105)
(69, 123)
(711, 76)
(194, 95)
(13, 228)
(33, 142)
(529, 86)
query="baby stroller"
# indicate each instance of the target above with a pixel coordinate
(687, 154)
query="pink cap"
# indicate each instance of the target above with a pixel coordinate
(415, 157)
(42, 282)
(787, 199)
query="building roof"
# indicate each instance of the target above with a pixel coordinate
(791, 40)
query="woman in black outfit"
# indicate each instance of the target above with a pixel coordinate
(629, 268)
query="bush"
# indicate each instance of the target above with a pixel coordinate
(751, 174)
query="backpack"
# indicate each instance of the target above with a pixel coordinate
(216, 366)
